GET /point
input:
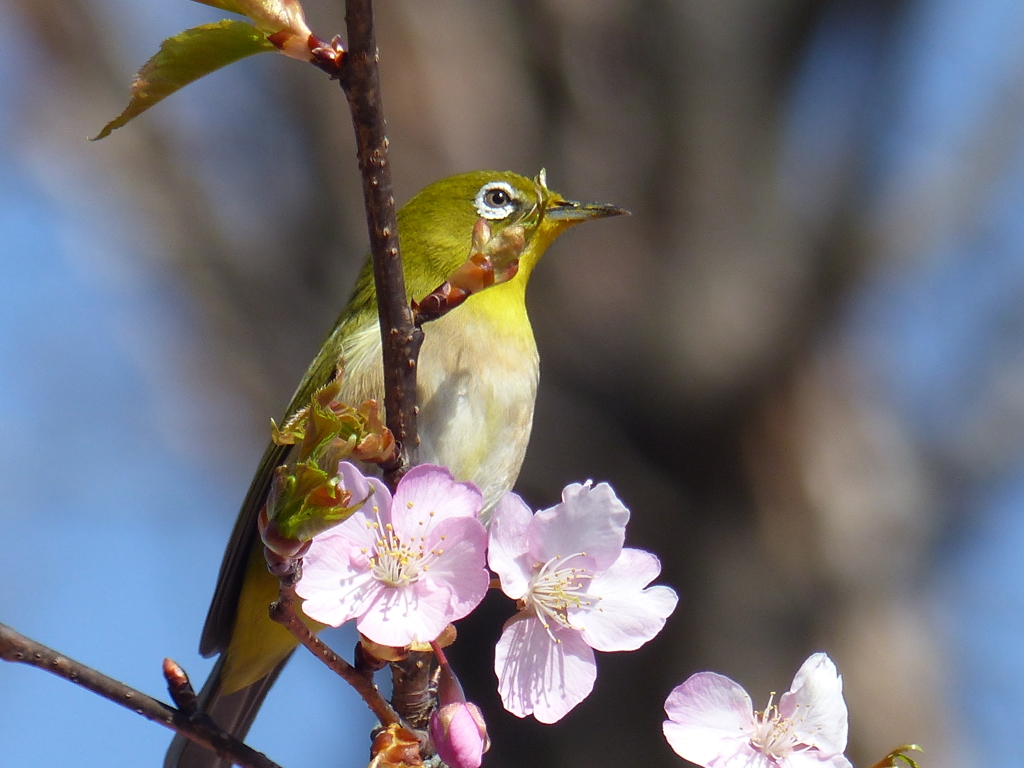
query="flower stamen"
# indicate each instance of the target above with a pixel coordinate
(774, 735)
(555, 588)
(394, 562)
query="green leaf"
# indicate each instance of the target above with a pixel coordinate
(186, 57)
(231, 6)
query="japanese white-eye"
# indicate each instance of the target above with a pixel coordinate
(477, 383)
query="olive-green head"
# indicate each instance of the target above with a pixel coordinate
(435, 227)
(435, 231)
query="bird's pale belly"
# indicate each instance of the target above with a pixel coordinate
(477, 388)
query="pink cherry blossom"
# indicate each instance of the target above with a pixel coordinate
(578, 590)
(403, 568)
(712, 722)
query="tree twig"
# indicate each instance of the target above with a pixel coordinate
(414, 694)
(401, 334)
(284, 613)
(15, 647)
(401, 338)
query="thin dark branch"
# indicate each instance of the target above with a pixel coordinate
(284, 613)
(414, 694)
(401, 335)
(401, 339)
(15, 647)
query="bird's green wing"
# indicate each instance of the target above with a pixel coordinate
(220, 618)
(349, 335)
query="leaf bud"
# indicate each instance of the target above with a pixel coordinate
(395, 747)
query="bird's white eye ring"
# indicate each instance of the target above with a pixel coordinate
(496, 200)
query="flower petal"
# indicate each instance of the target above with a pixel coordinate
(539, 677)
(812, 758)
(623, 615)
(816, 706)
(589, 519)
(508, 551)
(360, 528)
(461, 564)
(336, 584)
(428, 494)
(711, 719)
(745, 756)
(403, 615)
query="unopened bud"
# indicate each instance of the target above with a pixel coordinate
(284, 547)
(179, 687)
(281, 20)
(457, 727)
(460, 734)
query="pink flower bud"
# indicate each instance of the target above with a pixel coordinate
(457, 727)
(459, 734)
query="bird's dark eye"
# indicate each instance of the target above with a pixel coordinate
(496, 200)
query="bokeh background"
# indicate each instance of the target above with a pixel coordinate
(800, 362)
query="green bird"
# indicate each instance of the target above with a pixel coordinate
(477, 383)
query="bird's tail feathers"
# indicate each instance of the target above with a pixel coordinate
(233, 713)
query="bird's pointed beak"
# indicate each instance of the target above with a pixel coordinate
(570, 212)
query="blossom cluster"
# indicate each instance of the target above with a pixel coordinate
(712, 722)
(405, 566)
